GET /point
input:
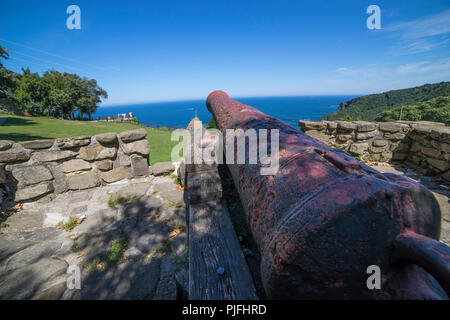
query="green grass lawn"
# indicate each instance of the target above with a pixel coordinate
(18, 128)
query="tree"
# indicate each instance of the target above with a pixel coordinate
(3, 55)
(8, 80)
(74, 88)
(92, 95)
(58, 98)
(437, 109)
(64, 92)
(32, 93)
(54, 94)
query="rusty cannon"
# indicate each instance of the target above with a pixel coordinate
(324, 218)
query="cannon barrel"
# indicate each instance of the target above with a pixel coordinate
(323, 218)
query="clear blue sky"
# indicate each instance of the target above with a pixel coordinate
(143, 51)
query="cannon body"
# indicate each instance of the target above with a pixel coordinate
(323, 218)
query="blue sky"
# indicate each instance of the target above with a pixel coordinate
(143, 51)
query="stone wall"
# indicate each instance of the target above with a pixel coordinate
(33, 169)
(422, 145)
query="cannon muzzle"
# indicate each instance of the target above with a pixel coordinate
(324, 218)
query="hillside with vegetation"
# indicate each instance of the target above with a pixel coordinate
(437, 109)
(370, 107)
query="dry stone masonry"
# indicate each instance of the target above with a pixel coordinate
(422, 145)
(33, 169)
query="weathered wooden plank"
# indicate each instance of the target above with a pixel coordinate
(204, 186)
(213, 244)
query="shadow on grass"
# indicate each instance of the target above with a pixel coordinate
(18, 122)
(17, 137)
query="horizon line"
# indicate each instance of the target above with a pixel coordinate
(235, 98)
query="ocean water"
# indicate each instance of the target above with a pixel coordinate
(179, 113)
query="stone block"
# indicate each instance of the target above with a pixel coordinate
(108, 138)
(380, 143)
(98, 152)
(104, 165)
(394, 136)
(343, 137)
(80, 181)
(442, 146)
(365, 126)
(441, 134)
(366, 135)
(38, 144)
(2, 174)
(7, 157)
(421, 129)
(161, 168)
(75, 165)
(59, 182)
(377, 150)
(133, 135)
(140, 147)
(399, 147)
(69, 143)
(181, 172)
(392, 126)
(116, 174)
(29, 175)
(47, 156)
(5, 144)
(358, 148)
(34, 191)
(431, 152)
(139, 165)
(311, 125)
(123, 160)
(441, 165)
(446, 176)
(385, 156)
(331, 126)
(346, 126)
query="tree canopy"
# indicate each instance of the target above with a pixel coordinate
(437, 109)
(53, 94)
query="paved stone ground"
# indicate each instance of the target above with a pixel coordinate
(35, 254)
(441, 193)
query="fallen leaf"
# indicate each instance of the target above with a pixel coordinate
(18, 206)
(175, 232)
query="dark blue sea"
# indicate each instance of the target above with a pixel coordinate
(179, 113)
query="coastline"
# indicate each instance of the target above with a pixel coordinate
(179, 113)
